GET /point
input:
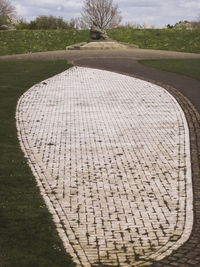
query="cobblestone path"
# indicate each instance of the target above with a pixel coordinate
(111, 156)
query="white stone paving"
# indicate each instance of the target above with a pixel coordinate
(111, 156)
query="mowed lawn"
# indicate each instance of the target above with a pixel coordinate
(28, 235)
(187, 67)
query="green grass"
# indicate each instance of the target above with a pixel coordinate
(187, 67)
(28, 236)
(30, 41)
(161, 39)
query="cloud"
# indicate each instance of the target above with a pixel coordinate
(157, 12)
(33, 8)
(190, 4)
(137, 3)
(60, 8)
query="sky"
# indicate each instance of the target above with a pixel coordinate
(150, 12)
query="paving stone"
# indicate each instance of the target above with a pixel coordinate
(193, 262)
(111, 154)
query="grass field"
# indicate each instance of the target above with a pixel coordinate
(28, 236)
(187, 67)
(27, 41)
(30, 41)
(162, 39)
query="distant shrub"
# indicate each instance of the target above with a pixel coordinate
(3, 19)
(129, 25)
(49, 23)
(45, 23)
(196, 24)
(188, 25)
(22, 25)
(169, 26)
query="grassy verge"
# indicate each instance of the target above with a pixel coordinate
(187, 67)
(28, 236)
(30, 41)
(162, 39)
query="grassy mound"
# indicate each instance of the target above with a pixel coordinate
(28, 236)
(30, 41)
(181, 40)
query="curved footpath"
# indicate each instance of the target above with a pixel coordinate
(174, 227)
(125, 61)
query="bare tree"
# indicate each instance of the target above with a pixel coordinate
(101, 12)
(7, 12)
(196, 23)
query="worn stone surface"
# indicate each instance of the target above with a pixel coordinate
(111, 155)
(188, 254)
(96, 33)
(100, 45)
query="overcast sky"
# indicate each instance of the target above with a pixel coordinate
(151, 12)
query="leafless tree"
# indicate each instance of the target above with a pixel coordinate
(196, 23)
(101, 12)
(7, 12)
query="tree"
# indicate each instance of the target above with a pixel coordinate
(169, 26)
(196, 23)
(7, 12)
(101, 12)
(48, 23)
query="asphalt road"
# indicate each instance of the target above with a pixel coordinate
(126, 61)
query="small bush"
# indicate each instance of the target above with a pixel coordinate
(3, 19)
(22, 25)
(45, 23)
